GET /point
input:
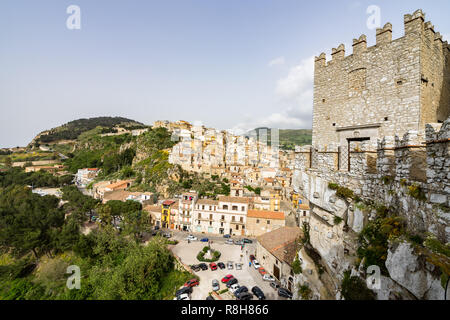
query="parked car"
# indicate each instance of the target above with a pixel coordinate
(221, 265)
(234, 287)
(195, 267)
(258, 293)
(262, 271)
(229, 241)
(191, 283)
(213, 266)
(227, 278)
(203, 266)
(240, 290)
(167, 235)
(238, 266)
(268, 277)
(230, 265)
(183, 290)
(256, 264)
(191, 238)
(239, 242)
(274, 285)
(231, 282)
(245, 296)
(204, 240)
(226, 236)
(215, 285)
(210, 298)
(183, 296)
(252, 257)
(247, 240)
(282, 292)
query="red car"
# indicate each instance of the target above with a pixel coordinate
(213, 266)
(262, 271)
(227, 278)
(192, 283)
(252, 257)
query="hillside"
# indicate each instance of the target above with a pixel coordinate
(73, 129)
(289, 138)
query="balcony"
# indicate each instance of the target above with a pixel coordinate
(237, 222)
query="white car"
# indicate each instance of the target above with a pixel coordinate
(183, 296)
(268, 277)
(256, 264)
(191, 238)
(229, 241)
(234, 287)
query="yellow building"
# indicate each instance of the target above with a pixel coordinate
(295, 198)
(167, 212)
(275, 200)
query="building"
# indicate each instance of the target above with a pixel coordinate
(276, 251)
(383, 90)
(169, 212)
(154, 212)
(123, 195)
(85, 176)
(206, 217)
(233, 215)
(185, 210)
(262, 221)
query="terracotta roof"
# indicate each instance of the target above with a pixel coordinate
(270, 180)
(304, 206)
(168, 202)
(118, 184)
(234, 199)
(281, 243)
(208, 202)
(265, 214)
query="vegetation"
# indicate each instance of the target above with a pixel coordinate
(373, 239)
(296, 265)
(305, 230)
(38, 179)
(304, 292)
(288, 138)
(73, 129)
(215, 255)
(256, 190)
(416, 192)
(354, 288)
(337, 220)
(342, 192)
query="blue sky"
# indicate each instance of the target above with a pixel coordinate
(226, 64)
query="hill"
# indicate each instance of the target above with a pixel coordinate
(289, 138)
(73, 129)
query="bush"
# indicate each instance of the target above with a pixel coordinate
(354, 288)
(305, 292)
(223, 291)
(201, 255)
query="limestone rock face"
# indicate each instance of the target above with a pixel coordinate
(413, 272)
(390, 290)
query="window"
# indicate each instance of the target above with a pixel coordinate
(304, 213)
(257, 220)
(268, 221)
(225, 207)
(221, 224)
(223, 218)
(243, 227)
(241, 219)
(237, 227)
(276, 262)
(203, 207)
(243, 208)
(210, 223)
(235, 208)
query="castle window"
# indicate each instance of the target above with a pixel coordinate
(323, 100)
(386, 118)
(334, 124)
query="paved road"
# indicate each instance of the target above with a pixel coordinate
(248, 276)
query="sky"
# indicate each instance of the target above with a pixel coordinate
(226, 64)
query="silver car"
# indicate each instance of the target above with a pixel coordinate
(215, 285)
(230, 265)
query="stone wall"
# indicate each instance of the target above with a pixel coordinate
(385, 89)
(386, 174)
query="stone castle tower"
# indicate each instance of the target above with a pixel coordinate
(384, 90)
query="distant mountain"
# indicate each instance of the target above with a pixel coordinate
(289, 138)
(73, 129)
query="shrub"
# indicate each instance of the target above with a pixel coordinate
(305, 292)
(354, 288)
(296, 266)
(416, 192)
(223, 291)
(337, 220)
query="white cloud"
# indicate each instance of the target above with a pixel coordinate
(295, 92)
(276, 62)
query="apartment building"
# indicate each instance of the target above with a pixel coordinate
(263, 221)
(185, 211)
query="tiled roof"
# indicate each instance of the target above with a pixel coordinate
(234, 199)
(265, 214)
(208, 202)
(168, 202)
(281, 242)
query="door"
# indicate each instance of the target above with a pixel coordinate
(276, 272)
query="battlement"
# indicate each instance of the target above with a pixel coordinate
(414, 25)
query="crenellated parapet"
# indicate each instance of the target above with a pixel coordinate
(360, 45)
(384, 35)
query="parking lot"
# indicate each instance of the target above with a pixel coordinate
(248, 276)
